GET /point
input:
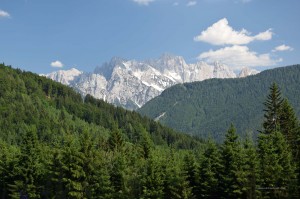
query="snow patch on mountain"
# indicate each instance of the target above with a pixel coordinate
(131, 83)
(64, 76)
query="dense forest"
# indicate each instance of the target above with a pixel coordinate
(55, 144)
(209, 107)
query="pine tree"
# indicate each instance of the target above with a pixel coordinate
(272, 110)
(153, 179)
(146, 143)
(116, 141)
(72, 168)
(175, 184)
(232, 175)
(117, 175)
(191, 169)
(277, 172)
(57, 188)
(289, 126)
(209, 171)
(250, 168)
(96, 183)
(279, 119)
(8, 161)
(28, 169)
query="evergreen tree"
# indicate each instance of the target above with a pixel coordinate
(289, 126)
(56, 188)
(116, 140)
(72, 169)
(96, 183)
(28, 170)
(175, 184)
(232, 176)
(209, 172)
(8, 161)
(250, 168)
(191, 169)
(153, 179)
(277, 172)
(117, 175)
(272, 110)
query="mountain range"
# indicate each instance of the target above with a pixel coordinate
(131, 83)
(209, 107)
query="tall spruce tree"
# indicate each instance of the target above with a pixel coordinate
(209, 173)
(28, 170)
(232, 175)
(72, 169)
(191, 169)
(250, 168)
(272, 110)
(175, 184)
(153, 179)
(276, 169)
(289, 126)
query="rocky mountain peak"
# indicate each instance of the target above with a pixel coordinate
(107, 68)
(64, 76)
(131, 83)
(247, 72)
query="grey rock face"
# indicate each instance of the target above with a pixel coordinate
(132, 83)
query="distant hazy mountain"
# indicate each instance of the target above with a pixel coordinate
(131, 83)
(210, 106)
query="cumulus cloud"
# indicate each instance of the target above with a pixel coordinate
(57, 64)
(143, 2)
(238, 57)
(220, 33)
(283, 48)
(191, 3)
(4, 14)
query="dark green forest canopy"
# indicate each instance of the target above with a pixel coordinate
(209, 107)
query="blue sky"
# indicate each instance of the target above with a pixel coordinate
(43, 36)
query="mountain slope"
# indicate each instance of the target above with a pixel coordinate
(130, 83)
(208, 107)
(31, 100)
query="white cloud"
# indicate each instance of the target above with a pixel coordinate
(238, 57)
(283, 48)
(191, 3)
(143, 2)
(220, 33)
(175, 4)
(4, 14)
(57, 64)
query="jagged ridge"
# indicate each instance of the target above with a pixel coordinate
(131, 83)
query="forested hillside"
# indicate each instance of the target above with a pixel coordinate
(209, 107)
(54, 144)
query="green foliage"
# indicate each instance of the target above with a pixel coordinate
(250, 168)
(272, 110)
(277, 171)
(27, 172)
(232, 174)
(210, 169)
(209, 107)
(290, 128)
